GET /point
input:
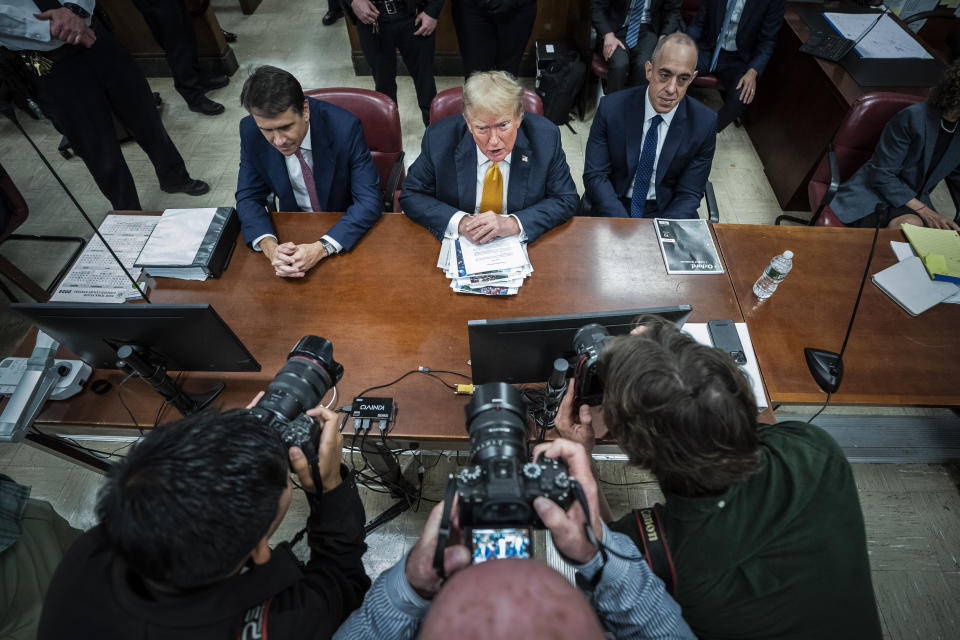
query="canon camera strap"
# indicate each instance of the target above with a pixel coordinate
(255, 622)
(655, 548)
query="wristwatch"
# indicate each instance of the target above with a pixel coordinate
(327, 247)
(77, 9)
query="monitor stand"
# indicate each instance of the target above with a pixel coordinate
(152, 369)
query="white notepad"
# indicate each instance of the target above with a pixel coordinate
(908, 283)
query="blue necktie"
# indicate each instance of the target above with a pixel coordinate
(634, 20)
(723, 31)
(641, 182)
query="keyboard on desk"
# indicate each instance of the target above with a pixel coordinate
(828, 46)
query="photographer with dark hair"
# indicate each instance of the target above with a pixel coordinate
(762, 522)
(514, 597)
(182, 551)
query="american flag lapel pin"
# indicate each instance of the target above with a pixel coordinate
(523, 158)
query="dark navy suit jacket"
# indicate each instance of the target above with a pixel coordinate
(899, 169)
(343, 171)
(613, 151)
(443, 180)
(756, 32)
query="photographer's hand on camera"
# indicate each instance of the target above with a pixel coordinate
(419, 569)
(577, 423)
(329, 453)
(567, 527)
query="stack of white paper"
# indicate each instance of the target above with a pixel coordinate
(496, 268)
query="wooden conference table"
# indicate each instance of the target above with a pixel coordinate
(387, 309)
(892, 358)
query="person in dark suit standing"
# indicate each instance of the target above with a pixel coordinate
(172, 27)
(493, 33)
(656, 166)
(81, 77)
(918, 148)
(383, 27)
(312, 155)
(630, 30)
(736, 39)
(492, 173)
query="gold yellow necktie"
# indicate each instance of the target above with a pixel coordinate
(492, 198)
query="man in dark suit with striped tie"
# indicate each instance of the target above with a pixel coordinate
(650, 148)
(629, 30)
(313, 157)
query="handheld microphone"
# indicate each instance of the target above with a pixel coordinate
(826, 367)
(7, 110)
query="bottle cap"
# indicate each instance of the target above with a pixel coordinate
(788, 255)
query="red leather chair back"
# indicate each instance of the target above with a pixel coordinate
(17, 206)
(381, 127)
(450, 102)
(854, 142)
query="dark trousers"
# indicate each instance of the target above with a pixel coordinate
(79, 96)
(492, 40)
(730, 68)
(380, 52)
(172, 27)
(626, 68)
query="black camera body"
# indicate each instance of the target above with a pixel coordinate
(300, 384)
(589, 343)
(499, 487)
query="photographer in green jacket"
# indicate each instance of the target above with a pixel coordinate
(762, 522)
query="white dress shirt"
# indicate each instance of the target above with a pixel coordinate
(299, 186)
(644, 14)
(648, 113)
(730, 37)
(20, 30)
(483, 163)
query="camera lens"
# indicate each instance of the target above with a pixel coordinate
(497, 423)
(303, 380)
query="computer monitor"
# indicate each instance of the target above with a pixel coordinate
(186, 337)
(520, 350)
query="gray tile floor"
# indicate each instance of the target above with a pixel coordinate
(912, 512)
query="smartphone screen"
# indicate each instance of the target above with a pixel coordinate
(510, 542)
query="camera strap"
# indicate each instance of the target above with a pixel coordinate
(255, 621)
(655, 548)
(446, 526)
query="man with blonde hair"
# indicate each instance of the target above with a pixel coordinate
(508, 175)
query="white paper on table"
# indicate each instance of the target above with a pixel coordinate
(444, 260)
(502, 253)
(699, 332)
(885, 40)
(95, 276)
(904, 250)
(177, 237)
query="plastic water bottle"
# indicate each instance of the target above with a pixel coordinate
(773, 275)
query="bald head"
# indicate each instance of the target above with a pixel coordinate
(510, 598)
(670, 71)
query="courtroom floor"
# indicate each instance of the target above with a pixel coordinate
(912, 511)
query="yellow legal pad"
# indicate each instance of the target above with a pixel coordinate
(939, 249)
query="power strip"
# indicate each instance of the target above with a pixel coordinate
(369, 410)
